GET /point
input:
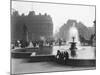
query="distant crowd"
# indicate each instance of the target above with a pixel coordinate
(36, 43)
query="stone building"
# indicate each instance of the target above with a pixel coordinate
(31, 27)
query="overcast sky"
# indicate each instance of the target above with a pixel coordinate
(60, 13)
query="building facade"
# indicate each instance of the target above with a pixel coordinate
(31, 27)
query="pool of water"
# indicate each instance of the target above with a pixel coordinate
(83, 52)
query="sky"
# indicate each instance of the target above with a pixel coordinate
(60, 13)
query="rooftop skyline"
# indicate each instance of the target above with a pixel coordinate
(59, 13)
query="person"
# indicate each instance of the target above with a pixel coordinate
(62, 57)
(58, 56)
(66, 55)
(34, 44)
(58, 53)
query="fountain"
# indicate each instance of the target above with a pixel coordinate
(73, 47)
(75, 54)
(73, 32)
(73, 40)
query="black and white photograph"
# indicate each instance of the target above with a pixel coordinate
(52, 37)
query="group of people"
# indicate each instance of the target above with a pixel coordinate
(39, 43)
(35, 43)
(62, 57)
